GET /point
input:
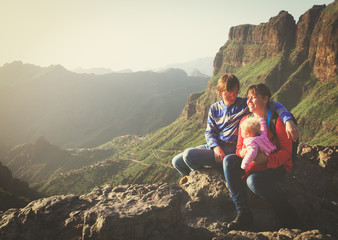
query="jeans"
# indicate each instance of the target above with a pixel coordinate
(196, 158)
(261, 183)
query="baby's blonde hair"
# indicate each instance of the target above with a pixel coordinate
(252, 125)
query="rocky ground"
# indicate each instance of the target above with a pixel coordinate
(200, 209)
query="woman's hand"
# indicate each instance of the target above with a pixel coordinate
(260, 158)
(291, 130)
(242, 153)
(218, 154)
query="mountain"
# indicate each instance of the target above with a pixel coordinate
(99, 71)
(298, 62)
(265, 53)
(196, 73)
(75, 110)
(14, 193)
(40, 161)
(203, 65)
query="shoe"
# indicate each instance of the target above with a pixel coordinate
(242, 220)
(184, 180)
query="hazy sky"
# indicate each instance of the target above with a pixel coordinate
(119, 34)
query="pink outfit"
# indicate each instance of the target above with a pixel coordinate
(253, 144)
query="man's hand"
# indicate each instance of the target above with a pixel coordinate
(260, 158)
(218, 154)
(291, 130)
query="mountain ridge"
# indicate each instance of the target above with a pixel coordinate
(72, 109)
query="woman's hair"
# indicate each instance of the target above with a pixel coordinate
(260, 89)
(252, 125)
(227, 82)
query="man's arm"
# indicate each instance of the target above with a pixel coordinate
(290, 127)
(211, 133)
(283, 113)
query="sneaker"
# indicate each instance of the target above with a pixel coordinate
(184, 180)
(242, 220)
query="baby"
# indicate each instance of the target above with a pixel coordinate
(254, 132)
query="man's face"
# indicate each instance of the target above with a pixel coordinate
(229, 97)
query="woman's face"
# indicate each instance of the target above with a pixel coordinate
(256, 103)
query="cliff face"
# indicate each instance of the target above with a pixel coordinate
(246, 43)
(294, 60)
(324, 45)
(305, 28)
(315, 35)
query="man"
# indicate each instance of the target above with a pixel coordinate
(222, 129)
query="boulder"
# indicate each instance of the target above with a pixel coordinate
(122, 212)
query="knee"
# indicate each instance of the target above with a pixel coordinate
(251, 182)
(229, 160)
(175, 161)
(187, 154)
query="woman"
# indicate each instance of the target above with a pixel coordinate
(271, 168)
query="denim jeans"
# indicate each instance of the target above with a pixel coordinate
(261, 183)
(196, 158)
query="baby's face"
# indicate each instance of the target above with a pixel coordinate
(246, 133)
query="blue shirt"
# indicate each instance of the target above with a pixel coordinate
(223, 120)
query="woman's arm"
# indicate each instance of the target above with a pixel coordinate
(284, 147)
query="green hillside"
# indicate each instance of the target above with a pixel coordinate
(14, 192)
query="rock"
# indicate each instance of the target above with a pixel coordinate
(247, 42)
(310, 188)
(324, 156)
(200, 209)
(283, 233)
(323, 44)
(125, 212)
(305, 27)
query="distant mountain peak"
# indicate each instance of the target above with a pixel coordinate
(204, 65)
(41, 140)
(57, 68)
(196, 73)
(174, 71)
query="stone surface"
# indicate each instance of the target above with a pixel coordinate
(310, 187)
(200, 209)
(124, 212)
(323, 44)
(283, 233)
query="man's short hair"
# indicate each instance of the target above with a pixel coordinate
(227, 82)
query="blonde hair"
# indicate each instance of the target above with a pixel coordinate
(251, 125)
(227, 82)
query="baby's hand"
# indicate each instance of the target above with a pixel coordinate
(243, 152)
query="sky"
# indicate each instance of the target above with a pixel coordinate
(121, 34)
